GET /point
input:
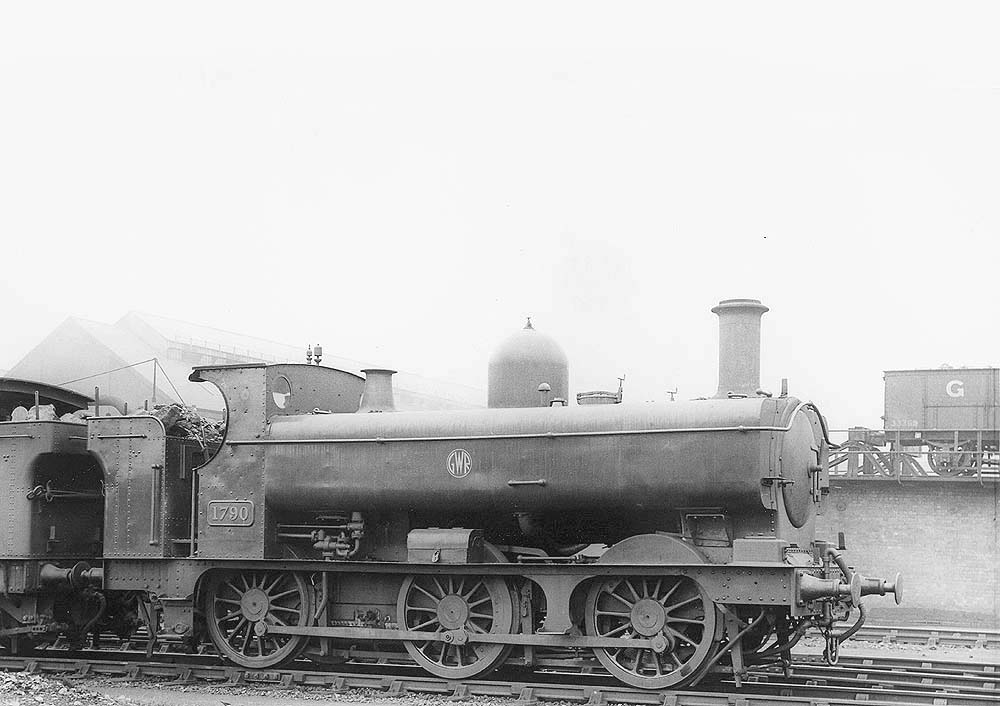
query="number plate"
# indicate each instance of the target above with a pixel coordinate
(230, 513)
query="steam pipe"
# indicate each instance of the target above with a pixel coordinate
(729, 645)
(103, 606)
(862, 616)
(775, 649)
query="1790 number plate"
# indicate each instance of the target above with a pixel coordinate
(230, 513)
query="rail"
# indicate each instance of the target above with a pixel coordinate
(931, 636)
(910, 682)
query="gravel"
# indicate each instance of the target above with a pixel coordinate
(22, 689)
(208, 694)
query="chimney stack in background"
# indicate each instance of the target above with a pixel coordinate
(377, 395)
(739, 346)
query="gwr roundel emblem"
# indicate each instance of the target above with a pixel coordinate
(459, 463)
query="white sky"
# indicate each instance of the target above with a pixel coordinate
(405, 182)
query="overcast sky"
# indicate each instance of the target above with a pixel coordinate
(404, 183)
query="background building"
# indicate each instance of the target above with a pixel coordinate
(146, 359)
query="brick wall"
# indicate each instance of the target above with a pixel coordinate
(943, 536)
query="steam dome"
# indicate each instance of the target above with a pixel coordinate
(521, 364)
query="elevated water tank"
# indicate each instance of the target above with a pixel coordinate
(525, 362)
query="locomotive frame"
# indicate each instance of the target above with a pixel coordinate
(300, 536)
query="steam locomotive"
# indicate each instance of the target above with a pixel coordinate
(667, 540)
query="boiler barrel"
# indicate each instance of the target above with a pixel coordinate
(685, 454)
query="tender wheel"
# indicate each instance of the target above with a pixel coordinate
(672, 611)
(945, 461)
(456, 606)
(239, 606)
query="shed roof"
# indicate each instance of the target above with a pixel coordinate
(139, 343)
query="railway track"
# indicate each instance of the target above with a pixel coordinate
(874, 681)
(930, 636)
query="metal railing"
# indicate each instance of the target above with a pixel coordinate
(927, 454)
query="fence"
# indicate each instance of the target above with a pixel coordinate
(931, 454)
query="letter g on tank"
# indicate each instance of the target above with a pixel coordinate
(459, 463)
(955, 388)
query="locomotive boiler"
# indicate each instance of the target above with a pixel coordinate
(618, 468)
(664, 539)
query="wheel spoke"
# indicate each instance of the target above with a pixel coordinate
(622, 599)
(675, 606)
(230, 616)
(425, 624)
(439, 587)
(614, 613)
(689, 621)
(239, 626)
(427, 593)
(246, 639)
(631, 589)
(679, 636)
(617, 631)
(475, 587)
(669, 593)
(647, 657)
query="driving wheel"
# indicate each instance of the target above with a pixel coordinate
(673, 613)
(241, 606)
(453, 607)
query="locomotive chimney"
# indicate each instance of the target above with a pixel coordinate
(739, 346)
(377, 395)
